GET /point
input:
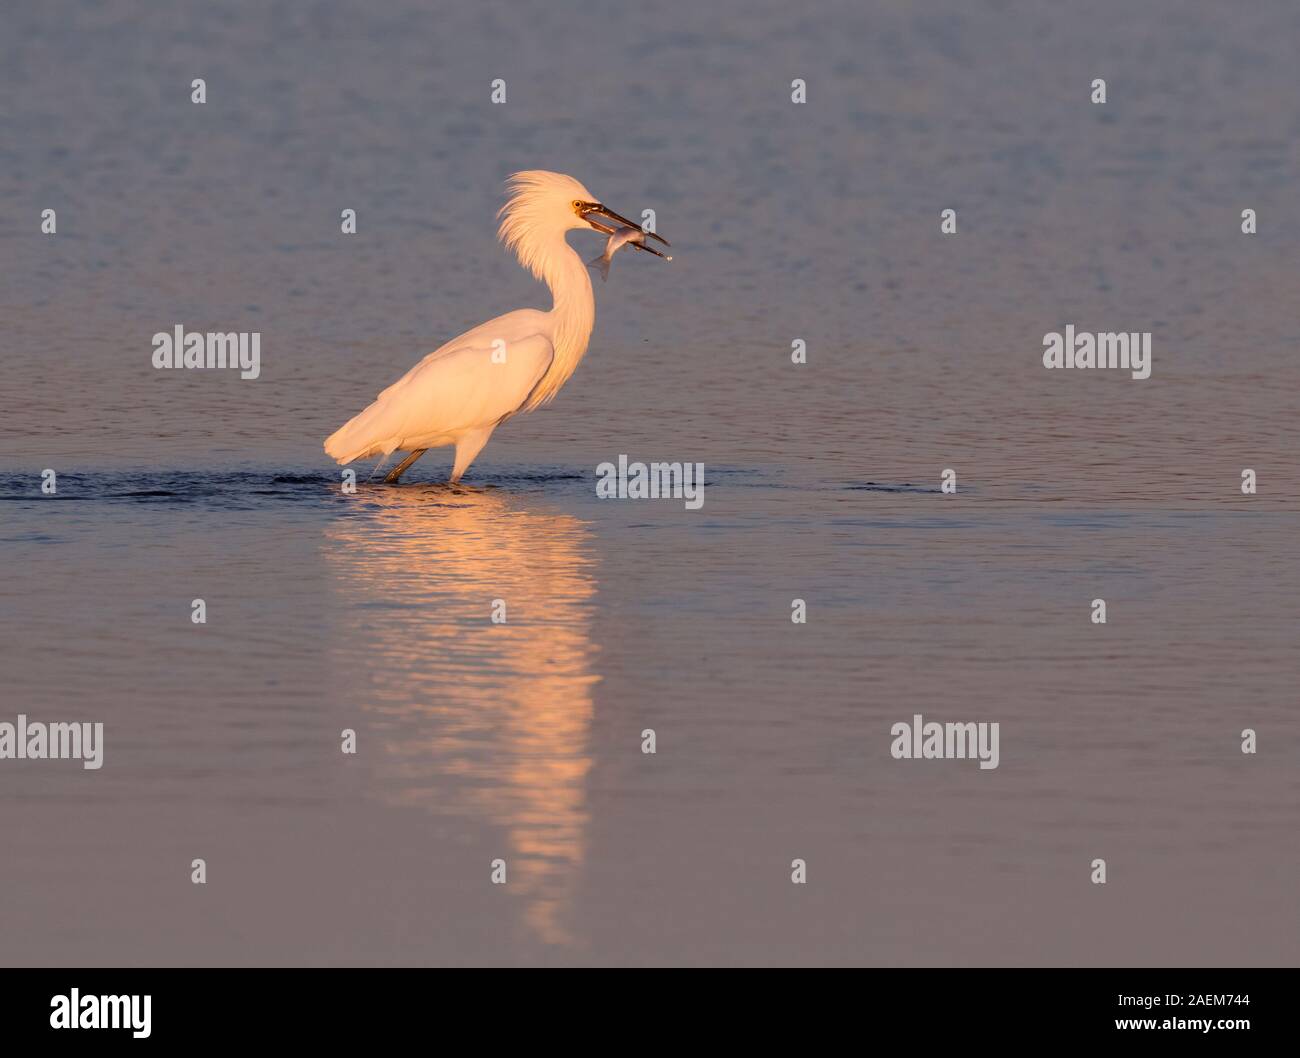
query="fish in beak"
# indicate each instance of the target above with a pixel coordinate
(595, 209)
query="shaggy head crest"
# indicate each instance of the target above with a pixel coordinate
(541, 206)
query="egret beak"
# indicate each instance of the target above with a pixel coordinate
(595, 209)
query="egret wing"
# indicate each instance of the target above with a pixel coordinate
(475, 381)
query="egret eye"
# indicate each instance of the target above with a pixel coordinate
(577, 204)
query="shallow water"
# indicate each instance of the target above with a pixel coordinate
(522, 740)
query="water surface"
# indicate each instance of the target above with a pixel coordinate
(522, 741)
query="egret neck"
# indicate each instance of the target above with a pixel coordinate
(573, 313)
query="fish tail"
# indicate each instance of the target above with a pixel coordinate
(601, 265)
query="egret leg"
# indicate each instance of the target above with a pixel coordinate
(467, 447)
(402, 467)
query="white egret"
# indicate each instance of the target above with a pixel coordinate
(460, 393)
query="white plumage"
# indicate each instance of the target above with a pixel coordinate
(460, 393)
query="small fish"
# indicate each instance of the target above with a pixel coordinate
(616, 241)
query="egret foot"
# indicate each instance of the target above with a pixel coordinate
(403, 466)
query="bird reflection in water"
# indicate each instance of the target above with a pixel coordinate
(489, 720)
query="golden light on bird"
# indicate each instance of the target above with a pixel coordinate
(461, 392)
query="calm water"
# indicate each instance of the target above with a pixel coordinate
(523, 741)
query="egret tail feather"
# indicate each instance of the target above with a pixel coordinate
(356, 438)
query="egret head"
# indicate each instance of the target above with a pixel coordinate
(542, 206)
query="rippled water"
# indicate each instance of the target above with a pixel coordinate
(522, 740)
